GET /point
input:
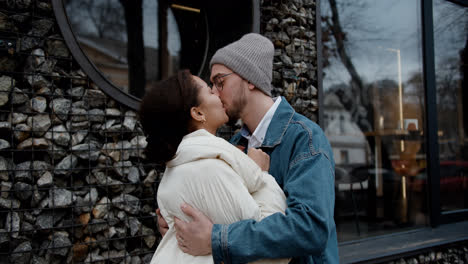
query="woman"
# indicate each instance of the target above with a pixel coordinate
(181, 116)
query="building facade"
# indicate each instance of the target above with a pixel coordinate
(385, 81)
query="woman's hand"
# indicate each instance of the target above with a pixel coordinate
(261, 158)
(162, 224)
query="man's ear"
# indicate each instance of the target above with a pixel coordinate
(250, 85)
(196, 114)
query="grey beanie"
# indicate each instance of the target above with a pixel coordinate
(251, 57)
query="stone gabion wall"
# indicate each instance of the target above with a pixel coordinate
(290, 25)
(457, 253)
(75, 186)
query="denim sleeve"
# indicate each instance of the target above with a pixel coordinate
(304, 230)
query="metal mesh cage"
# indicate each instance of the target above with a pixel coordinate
(75, 185)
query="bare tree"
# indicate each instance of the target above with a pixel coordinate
(360, 107)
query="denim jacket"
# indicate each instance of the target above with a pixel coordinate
(301, 160)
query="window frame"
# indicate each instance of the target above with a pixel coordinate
(437, 217)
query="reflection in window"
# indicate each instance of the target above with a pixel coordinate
(139, 41)
(373, 82)
(451, 60)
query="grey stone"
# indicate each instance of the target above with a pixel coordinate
(48, 66)
(17, 118)
(115, 256)
(27, 227)
(59, 135)
(36, 143)
(97, 225)
(9, 203)
(60, 242)
(4, 169)
(37, 81)
(88, 151)
(109, 124)
(45, 180)
(287, 21)
(5, 188)
(78, 137)
(79, 115)
(40, 167)
(57, 152)
(89, 200)
(39, 123)
(283, 37)
(80, 105)
(61, 107)
(101, 208)
(5, 127)
(136, 260)
(3, 236)
(102, 179)
(23, 172)
(151, 178)
(6, 84)
(22, 253)
(130, 120)
(300, 68)
(289, 74)
(60, 197)
(38, 260)
(113, 112)
(134, 225)
(138, 144)
(95, 98)
(45, 90)
(148, 236)
(76, 91)
(74, 126)
(133, 175)
(21, 132)
(13, 223)
(94, 257)
(57, 48)
(36, 59)
(286, 60)
(23, 191)
(96, 115)
(48, 219)
(66, 166)
(122, 168)
(42, 26)
(127, 202)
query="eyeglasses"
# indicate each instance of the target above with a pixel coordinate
(218, 82)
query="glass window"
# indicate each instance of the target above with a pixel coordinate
(451, 60)
(373, 82)
(133, 43)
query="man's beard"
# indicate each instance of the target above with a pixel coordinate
(235, 112)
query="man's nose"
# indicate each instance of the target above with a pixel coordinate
(215, 90)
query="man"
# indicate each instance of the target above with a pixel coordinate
(300, 160)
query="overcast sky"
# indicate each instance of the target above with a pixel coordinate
(376, 29)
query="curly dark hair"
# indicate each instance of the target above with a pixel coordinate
(165, 114)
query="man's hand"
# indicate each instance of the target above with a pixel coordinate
(261, 158)
(162, 224)
(194, 238)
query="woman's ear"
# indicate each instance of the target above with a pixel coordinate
(197, 115)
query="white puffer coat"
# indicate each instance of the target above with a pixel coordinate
(218, 179)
